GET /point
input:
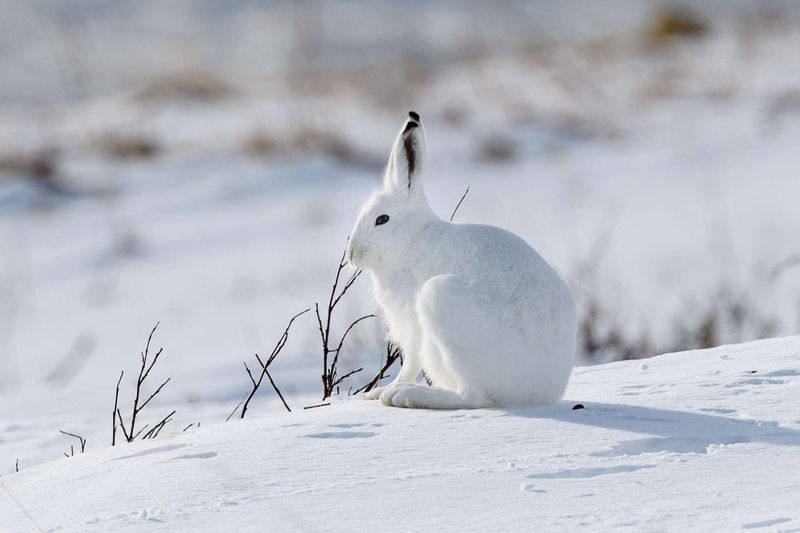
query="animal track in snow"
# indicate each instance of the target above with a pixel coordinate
(717, 410)
(670, 444)
(785, 373)
(354, 425)
(530, 487)
(203, 455)
(583, 473)
(151, 451)
(766, 523)
(756, 381)
(342, 435)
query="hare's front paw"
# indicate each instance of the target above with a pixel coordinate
(396, 394)
(374, 394)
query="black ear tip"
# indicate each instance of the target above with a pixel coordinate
(414, 115)
(410, 125)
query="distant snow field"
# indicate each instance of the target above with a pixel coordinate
(702, 441)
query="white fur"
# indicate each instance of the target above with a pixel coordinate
(474, 306)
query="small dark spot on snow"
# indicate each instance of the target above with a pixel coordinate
(577, 406)
(752, 371)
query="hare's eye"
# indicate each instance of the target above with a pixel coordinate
(383, 219)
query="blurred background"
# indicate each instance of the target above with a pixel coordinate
(201, 163)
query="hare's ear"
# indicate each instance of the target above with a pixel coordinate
(404, 171)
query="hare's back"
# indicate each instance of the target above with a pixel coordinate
(481, 252)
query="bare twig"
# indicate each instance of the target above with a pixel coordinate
(236, 408)
(256, 383)
(141, 430)
(339, 380)
(453, 214)
(80, 439)
(318, 405)
(783, 265)
(153, 433)
(114, 413)
(393, 353)
(129, 432)
(335, 363)
(330, 356)
(277, 390)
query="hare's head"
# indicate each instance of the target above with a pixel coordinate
(392, 218)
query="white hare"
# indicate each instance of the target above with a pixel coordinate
(475, 307)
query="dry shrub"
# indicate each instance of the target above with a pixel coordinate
(330, 144)
(497, 149)
(40, 165)
(782, 103)
(261, 144)
(310, 140)
(601, 337)
(134, 146)
(189, 85)
(455, 115)
(673, 24)
(41, 168)
(727, 315)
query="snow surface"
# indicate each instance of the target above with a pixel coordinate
(703, 441)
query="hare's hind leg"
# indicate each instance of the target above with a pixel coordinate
(448, 311)
(418, 396)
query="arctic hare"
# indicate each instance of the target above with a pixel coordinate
(475, 307)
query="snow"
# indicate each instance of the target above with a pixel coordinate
(655, 181)
(703, 440)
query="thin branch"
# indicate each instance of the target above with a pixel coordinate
(318, 405)
(338, 381)
(147, 350)
(341, 341)
(155, 359)
(783, 265)
(80, 439)
(122, 426)
(330, 364)
(147, 363)
(154, 394)
(393, 353)
(143, 372)
(161, 426)
(453, 214)
(114, 413)
(250, 374)
(154, 431)
(140, 431)
(256, 383)
(347, 286)
(236, 408)
(277, 390)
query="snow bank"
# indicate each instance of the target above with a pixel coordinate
(704, 440)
